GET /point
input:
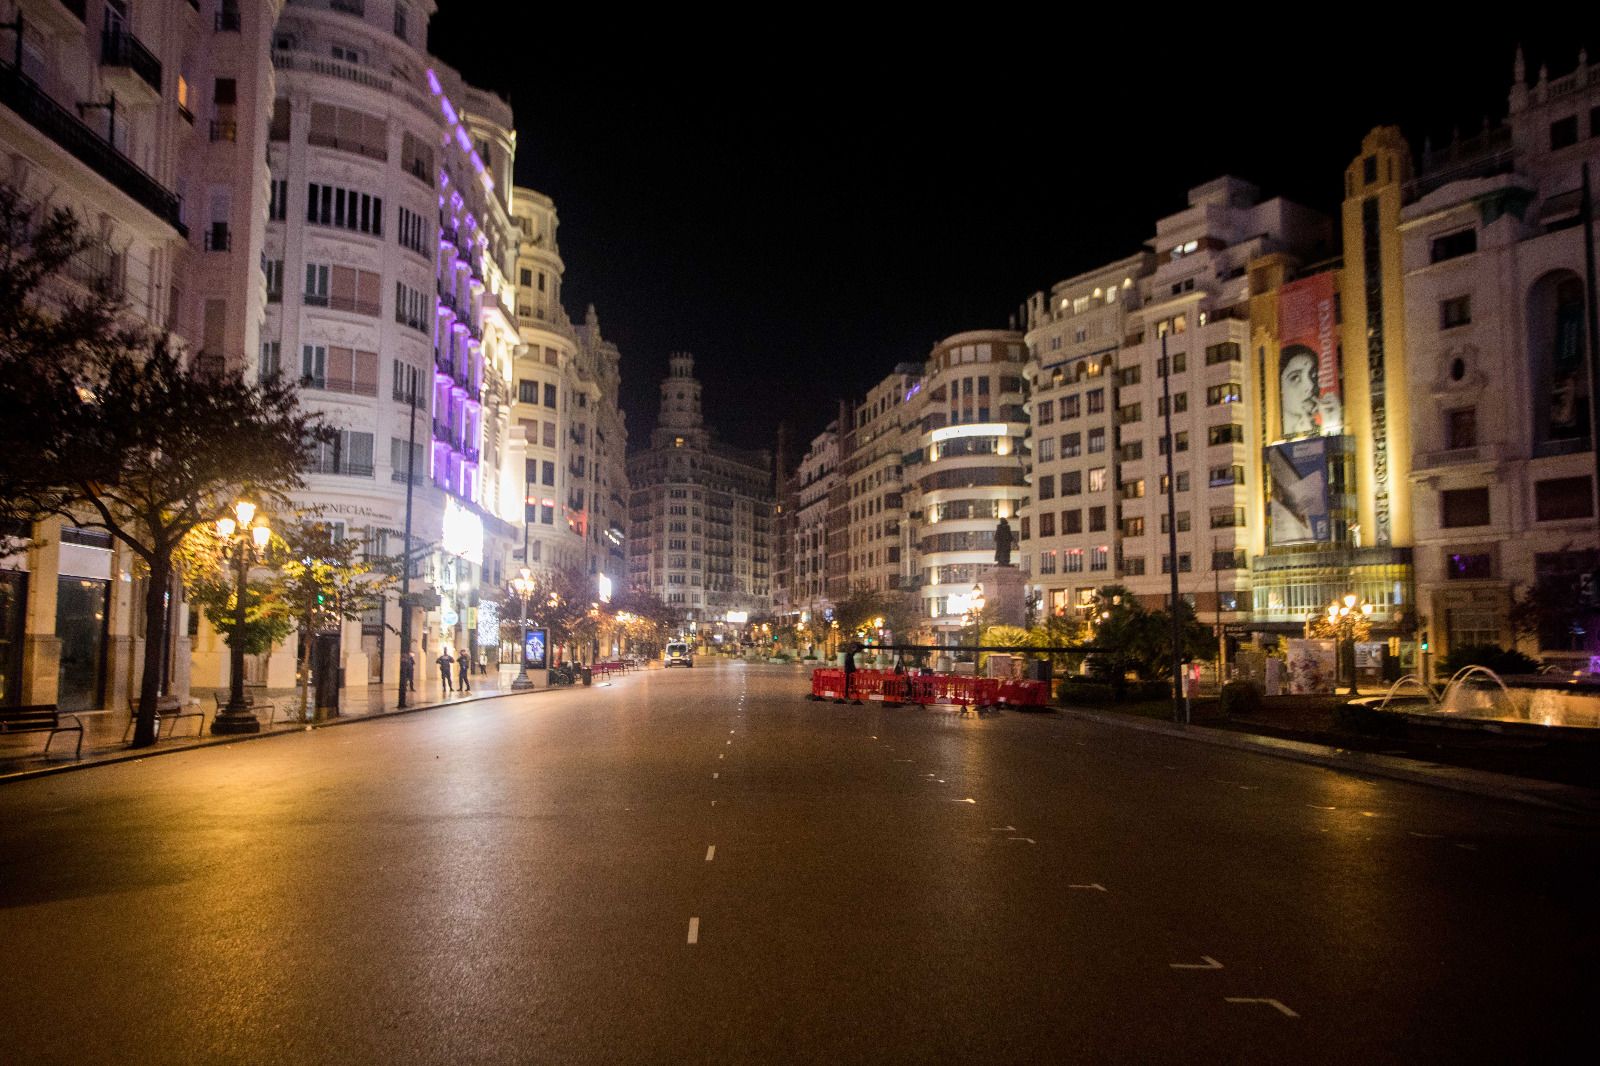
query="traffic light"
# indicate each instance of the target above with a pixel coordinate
(1424, 642)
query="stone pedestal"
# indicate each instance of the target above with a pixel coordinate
(1005, 595)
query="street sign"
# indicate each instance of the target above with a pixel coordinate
(451, 617)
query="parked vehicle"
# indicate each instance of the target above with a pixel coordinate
(678, 653)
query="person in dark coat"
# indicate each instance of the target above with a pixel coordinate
(408, 672)
(849, 672)
(463, 669)
(445, 661)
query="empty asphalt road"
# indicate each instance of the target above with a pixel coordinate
(702, 866)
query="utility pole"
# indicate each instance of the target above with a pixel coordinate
(405, 558)
(1222, 638)
(1172, 538)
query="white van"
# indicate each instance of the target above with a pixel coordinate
(678, 653)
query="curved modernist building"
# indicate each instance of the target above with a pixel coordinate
(972, 466)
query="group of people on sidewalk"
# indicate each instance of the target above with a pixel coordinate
(463, 664)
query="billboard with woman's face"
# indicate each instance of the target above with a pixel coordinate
(1309, 397)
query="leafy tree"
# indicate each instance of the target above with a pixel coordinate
(1500, 660)
(1132, 637)
(863, 605)
(122, 432)
(1553, 612)
(327, 579)
(209, 581)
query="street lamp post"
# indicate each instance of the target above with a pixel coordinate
(245, 541)
(522, 584)
(1344, 616)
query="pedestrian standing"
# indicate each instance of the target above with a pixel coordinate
(445, 661)
(463, 669)
(408, 672)
(849, 671)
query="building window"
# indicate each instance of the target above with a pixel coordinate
(1128, 413)
(1228, 392)
(1185, 563)
(1098, 558)
(1046, 413)
(1071, 407)
(547, 472)
(1132, 451)
(1180, 363)
(1466, 626)
(1463, 507)
(1227, 475)
(1133, 527)
(1097, 519)
(1096, 401)
(1047, 562)
(1456, 311)
(1183, 522)
(1133, 566)
(348, 130)
(1564, 132)
(1047, 449)
(1180, 403)
(1047, 487)
(1469, 566)
(1561, 498)
(1226, 352)
(550, 396)
(1228, 560)
(1229, 433)
(1128, 375)
(272, 269)
(1461, 428)
(414, 234)
(329, 205)
(277, 200)
(1072, 483)
(1071, 445)
(1074, 560)
(1097, 479)
(527, 391)
(1047, 524)
(1072, 521)
(1097, 441)
(1452, 245)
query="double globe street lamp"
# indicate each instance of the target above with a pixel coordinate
(245, 539)
(1348, 619)
(523, 585)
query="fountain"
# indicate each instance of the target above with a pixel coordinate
(1476, 694)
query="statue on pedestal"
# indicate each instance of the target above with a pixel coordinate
(1003, 543)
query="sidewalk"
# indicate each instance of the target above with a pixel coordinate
(22, 755)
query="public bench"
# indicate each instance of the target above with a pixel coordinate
(170, 717)
(40, 718)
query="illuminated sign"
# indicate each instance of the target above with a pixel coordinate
(738, 617)
(977, 429)
(451, 617)
(534, 645)
(604, 584)
(463, 533)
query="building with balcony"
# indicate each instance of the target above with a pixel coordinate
(1500, 367)
(971, 466)
(101, 113)
(807, 533)
(701, 513)
(881, 537)
(388, 257)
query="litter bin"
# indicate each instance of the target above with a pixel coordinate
(588, 675)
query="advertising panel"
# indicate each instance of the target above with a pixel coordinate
(535, 649)
(1313, 666)
(1308, 361)
(1297, 510)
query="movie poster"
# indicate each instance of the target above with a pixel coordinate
(1297, 509)
(1309, 397)
(1313, 666)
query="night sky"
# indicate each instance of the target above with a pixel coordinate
(808, 212)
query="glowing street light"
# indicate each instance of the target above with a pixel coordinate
(246, 541)
(522, 585)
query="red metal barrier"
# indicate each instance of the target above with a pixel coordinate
(960, 690)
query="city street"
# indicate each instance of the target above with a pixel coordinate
(703, 866)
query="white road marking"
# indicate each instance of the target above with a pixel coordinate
(874, 738)
(713, 803)
(1273, 1003)
(1425, 836)
(715, 776)
(1097, 887)
(941, 780)
(969, 799)
(1317, 807)
(721, 756)
(1002, 829)
(730, 732)
(1467, 847)
(694, 930)
(1249, 788)
(1029, 840)
(1207, 963)
(711, 852)
(730, 742)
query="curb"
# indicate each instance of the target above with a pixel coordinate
(244, 738)
(1548, 794)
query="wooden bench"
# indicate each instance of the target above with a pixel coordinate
(40, 718)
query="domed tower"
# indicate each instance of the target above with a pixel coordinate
(680, 402)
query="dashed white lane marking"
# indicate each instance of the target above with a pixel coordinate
(969, 799)
(1467, 847)
(1002, 829)
(730, 732)
(871, 738)
(1273, 1003)
(1206, 963)
(1028, 840)
(941, 780)
(730, 742)
(1425, 836)
(721, 756)
(694, 930)
(711, 852)
(715, 776)
(1319, 807)
(1096, 887)
(713, 803)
